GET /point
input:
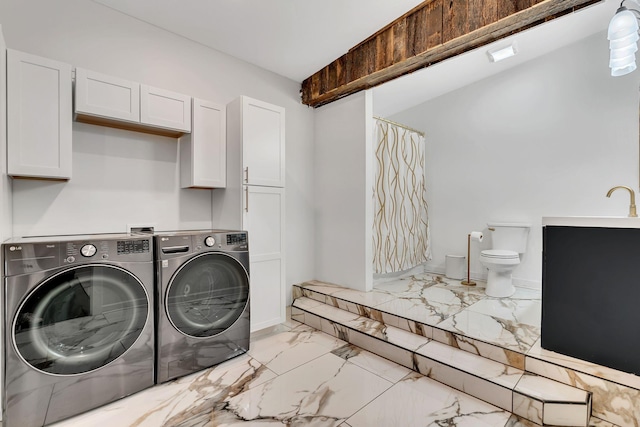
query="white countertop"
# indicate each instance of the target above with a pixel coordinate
(592, 221)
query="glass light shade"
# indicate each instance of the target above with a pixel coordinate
(622, 62)
(616, 72)
(624, 41)
(625, 51)
(623, 23)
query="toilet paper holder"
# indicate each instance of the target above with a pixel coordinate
(477, 236)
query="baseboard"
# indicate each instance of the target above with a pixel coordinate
(439, 269)
(529, 284)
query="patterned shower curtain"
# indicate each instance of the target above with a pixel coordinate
(401, 237)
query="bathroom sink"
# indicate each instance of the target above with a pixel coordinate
(592, 221)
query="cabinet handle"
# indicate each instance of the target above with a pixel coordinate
(246, 174)
(246, 199)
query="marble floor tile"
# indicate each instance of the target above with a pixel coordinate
(326, 311)
(481, 367)
(370, 299)
(172, 403)
(467, 294)
(413, 284)
(273, 330)
(323, 392)
(312, 294)
(516, 421)
(526, 294)
(490, 351)
(295, 375)
(434, 303)
(382, 348)
(611, 401)
(373, 363)
(415, 307)
(542, 389)
(322, 287)
(420, 401)
(517, 311)
(306, 303)
(539, 356)
(557, 403)
(288, 350)
(518, 337)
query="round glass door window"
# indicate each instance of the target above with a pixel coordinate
(207, 295)
(80, 319)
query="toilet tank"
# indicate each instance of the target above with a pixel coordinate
(510, 236)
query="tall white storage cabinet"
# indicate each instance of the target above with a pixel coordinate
(254, 200)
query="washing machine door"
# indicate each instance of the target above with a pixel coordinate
(207, 295)
(80, 319)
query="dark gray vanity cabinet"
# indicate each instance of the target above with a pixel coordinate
(591, 294)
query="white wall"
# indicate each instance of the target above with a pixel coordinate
(5, 181)
(5, 188)
(122, 177)
(344, 191)
(547, 138)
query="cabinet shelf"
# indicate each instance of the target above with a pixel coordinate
(110, 101)
(135, 127)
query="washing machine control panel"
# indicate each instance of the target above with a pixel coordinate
(234, 241)
(29, 256)
(126, 247)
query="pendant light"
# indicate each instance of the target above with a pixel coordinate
(623, 41)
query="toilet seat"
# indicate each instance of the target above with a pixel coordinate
(499, 254)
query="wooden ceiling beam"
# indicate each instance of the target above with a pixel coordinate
(431, 32)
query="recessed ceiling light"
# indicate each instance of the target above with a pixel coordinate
(504, 52)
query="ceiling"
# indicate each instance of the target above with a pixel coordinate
(416, 88)
(296, 38)
(293, 38)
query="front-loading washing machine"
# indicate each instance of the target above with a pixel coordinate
(79, 329)
(202, 315)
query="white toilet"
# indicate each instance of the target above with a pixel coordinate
(509, 241)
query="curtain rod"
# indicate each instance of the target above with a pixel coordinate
(400, 125)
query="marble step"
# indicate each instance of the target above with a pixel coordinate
(539, 400)
(368, 304)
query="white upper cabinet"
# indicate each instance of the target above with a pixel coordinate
(165, 109)
(39, 117)
(203, 152)
(106, 96)
(263, 143)
(110, 101)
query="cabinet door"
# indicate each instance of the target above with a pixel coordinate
(203, 152)
(165, 109)
(38, 117)
(263, 143)
(266, 295)
(105, 96)
(264, 220)
(590, 294)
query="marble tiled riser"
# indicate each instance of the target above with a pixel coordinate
(487, 350)
(612, 401)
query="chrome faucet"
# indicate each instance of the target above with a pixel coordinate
(632, 206)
